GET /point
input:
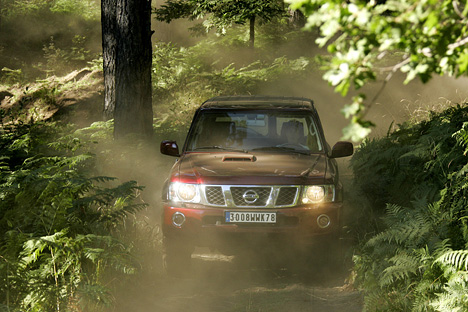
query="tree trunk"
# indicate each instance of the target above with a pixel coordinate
(252, 32)
(108, 24)
(127, 64)
(296, 18)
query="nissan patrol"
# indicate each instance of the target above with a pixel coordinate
(252, 168)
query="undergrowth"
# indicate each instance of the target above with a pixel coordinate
(61, 225)
(412, 187)
(185, 77)
(69, 229)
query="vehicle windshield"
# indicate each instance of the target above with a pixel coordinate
(282, 131)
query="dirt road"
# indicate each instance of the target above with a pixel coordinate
(228, 283)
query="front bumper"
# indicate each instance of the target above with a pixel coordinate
(206, 226)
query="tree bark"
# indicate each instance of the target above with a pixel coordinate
(127, 64)
(108, 25)
(252, 32)
(296, 18)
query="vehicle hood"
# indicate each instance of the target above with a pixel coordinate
(258, 168)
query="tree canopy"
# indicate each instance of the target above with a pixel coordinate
(370, 40)
(221, 14)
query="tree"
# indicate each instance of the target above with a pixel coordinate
(126, 42)
(421, 38)
(223, 13)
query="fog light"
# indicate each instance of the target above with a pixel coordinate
(178, 219)
(323, 221)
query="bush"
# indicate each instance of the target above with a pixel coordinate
(413, 185)
(58, 222)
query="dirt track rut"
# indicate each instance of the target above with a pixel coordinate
(221, 283)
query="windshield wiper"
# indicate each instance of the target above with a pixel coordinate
(222, 148)
(281, 148)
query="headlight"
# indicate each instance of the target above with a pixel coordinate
(318, 194)
(184, 192)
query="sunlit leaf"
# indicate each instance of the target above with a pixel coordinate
(355, 132)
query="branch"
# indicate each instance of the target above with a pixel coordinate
(377, 95)
(457, 9)
(458, 44)
(392, 70)
(396, 67)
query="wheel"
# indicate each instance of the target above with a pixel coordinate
(177, 258)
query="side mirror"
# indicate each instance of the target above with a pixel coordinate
(342, 149)
(169, 148)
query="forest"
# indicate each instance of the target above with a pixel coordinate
(79, 209)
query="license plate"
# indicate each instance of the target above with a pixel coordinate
(250, 217)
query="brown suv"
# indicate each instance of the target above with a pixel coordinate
(252, 169)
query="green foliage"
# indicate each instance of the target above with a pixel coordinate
(419, 38)
(39, 37)
(220, 14)
(415, 158)
(12, 76)
(88, 9)
(184, 77)
(457, 258)
(60, 61)
(58, 221)
(417, 259)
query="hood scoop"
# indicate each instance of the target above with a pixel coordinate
(239, 158)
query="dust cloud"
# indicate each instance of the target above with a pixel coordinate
(240, 283)
(396, 103)
(39, 42)
(260, 279)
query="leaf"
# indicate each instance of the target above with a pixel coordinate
(351, 110)
(432, 20)
(455, 258)
(462, 62)
(355, 132)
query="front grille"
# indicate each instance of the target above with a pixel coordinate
(286, 196)
(251, 196)
(215, 196)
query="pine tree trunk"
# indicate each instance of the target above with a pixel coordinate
(108, 22)
(127, 63)
(296, 18)
(252, 32)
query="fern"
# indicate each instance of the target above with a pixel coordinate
(403, 267)
(59, 221)
(453, 297)
(456, 258)
(415, 178)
